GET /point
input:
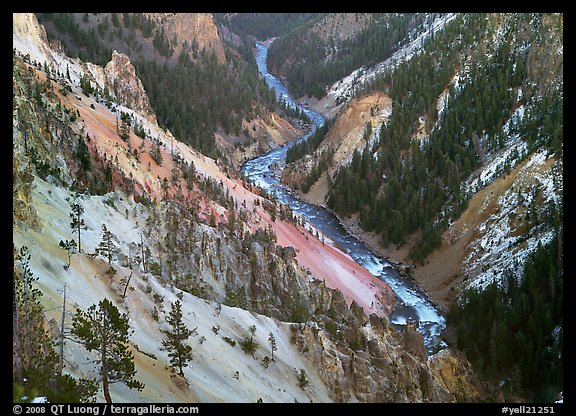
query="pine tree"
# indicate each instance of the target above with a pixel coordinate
(273, 346)
(156, 155)
(179, 352)
(77, 224)
(248, 345)
(232, 220)
(124, 128)
(70, 247)
(37, 369)
(82, 155)
(27, 309)
(105, 330)
(106, 248)
(302, 380)
(115, 20)
(86, 85)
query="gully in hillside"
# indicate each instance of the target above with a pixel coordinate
(262, 171)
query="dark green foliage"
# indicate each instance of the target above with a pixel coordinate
(411, 184)
(212, 221)
(401, 185)
(77, 224)
(83, 155)
(86, 85)
(139, 130)
(236, 298)
(518, 327)
(192, 95)
(27, 308)
(155, 268)
(115, 20)
(302, 380)
(263, 25)
(247, 344)
(544, 124)
(273, 346)
(50, 141)
(124, 128)
(175, 343)
(69, 246)
(102, 328)
(162, 44)
(249, 347)
(156, 154)
(298, 311)
(229, 341)
(431, 239)
(194, 98)
(43, 168)
(147, 27)
(35, 358)
(62, 388)
(293, 112)
(232, 220)
(107, 248)
(79, 43)
(323, 164)
(319, 63)
(355, 344)
(306, 147)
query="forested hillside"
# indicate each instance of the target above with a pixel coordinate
(191, 90)
(146, 272)
(490, 67)
(515, 330)
(434, 275)
(328, 48)
(476, 118)
(263, 26)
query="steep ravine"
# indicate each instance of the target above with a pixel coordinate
(265, 172)
(226, 283)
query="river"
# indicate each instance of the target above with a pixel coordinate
(264, 172)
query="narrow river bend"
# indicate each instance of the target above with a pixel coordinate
(262, 172)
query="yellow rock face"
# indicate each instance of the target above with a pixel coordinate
(190, 27)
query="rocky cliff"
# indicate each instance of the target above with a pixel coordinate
(118, 76)
(383, 365)
(28, 35)
(183, 228)
(193, 28)
(121, 79)
(348, 135)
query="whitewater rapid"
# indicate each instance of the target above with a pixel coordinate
(262, 172)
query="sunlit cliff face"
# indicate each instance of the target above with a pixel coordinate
(193, 28)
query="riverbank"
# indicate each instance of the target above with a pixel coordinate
(337, 269)
(413, 303)
(434, 278)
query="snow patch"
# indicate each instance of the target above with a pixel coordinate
(345, 87)
(498, 249)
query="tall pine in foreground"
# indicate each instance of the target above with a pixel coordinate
(179, 352)
(105, 330)
(37, 372)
